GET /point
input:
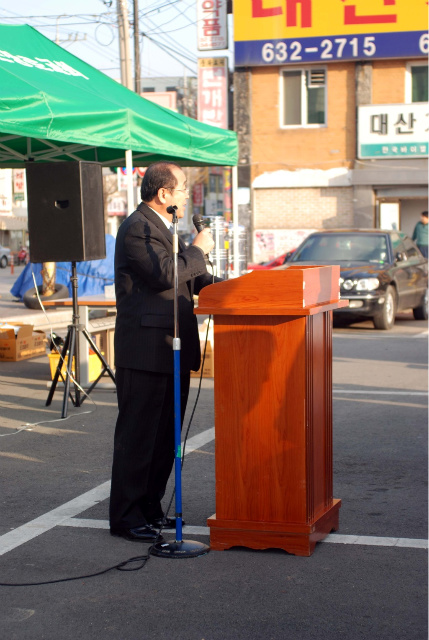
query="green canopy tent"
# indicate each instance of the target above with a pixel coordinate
(54, 107)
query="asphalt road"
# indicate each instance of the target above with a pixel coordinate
(368, 580)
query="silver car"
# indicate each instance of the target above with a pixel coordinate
(4, 256)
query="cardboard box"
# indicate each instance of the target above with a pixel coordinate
(208, 370)
(20, 342)
(95, 365)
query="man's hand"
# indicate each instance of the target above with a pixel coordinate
(204, 241)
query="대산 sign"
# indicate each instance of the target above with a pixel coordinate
(274, 32)
(393, 130)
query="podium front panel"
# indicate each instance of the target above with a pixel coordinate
(260, 418)
(273, 423)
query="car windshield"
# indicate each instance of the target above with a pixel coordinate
(337, 248)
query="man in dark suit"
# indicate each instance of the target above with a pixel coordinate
(144, 280)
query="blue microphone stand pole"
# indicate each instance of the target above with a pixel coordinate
(179, 548)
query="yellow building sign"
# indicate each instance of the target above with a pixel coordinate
(290, 31)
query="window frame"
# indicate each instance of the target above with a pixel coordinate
(304, 102)
(408, 80)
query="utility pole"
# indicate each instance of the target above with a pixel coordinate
(137, 74)
(124, 43)
(126, 80)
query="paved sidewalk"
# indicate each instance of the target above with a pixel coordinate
(367, 581)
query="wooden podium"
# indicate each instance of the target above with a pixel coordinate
(273, 408)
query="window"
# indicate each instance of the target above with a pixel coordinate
(332, 248)
(416, 87)
(303, 97)
(419, 83)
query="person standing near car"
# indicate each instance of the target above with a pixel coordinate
(420, 234)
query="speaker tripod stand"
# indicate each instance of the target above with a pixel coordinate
(71, 350)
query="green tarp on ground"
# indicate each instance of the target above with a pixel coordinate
(54, 106)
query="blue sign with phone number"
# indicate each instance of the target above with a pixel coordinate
(407, 44)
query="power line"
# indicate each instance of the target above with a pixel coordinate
(54, 17)
(157, 8)
(186, 26)
(168, 50)
(182, 51)
(177, 44)
(108, 19)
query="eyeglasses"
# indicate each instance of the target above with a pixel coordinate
(184, 190)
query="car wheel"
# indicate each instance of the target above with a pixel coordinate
(31, 300)
(421, 312)
(386, 318)
(3, 262)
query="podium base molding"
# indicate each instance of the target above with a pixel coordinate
(297, 539)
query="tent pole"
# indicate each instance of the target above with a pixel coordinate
(235, 220)
(130, 188)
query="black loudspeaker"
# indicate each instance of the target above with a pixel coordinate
(65, 211)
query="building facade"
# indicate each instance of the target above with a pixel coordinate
(328, 142)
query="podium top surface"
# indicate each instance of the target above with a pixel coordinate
(296, 290)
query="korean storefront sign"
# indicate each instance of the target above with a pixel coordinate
(213, 91)
(19, 184)
(198, 194)
(116, 206)
(6, 191)
(393, 131)
(212, 25)
(273, 32)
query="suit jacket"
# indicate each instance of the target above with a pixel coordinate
(144, 283)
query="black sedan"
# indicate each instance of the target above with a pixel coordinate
(382, 272)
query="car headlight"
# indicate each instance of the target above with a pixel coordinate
(348, 284)
(367, 284)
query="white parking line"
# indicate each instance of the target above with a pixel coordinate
(380, 336)
(334, 538)
(58, 516)
(30, 530)
(405, 543)
(65, 515)
(391, 392)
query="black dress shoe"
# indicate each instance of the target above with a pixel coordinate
(165, 523)
(139, 534)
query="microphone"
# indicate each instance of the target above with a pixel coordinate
(198, 221)
(172, 209)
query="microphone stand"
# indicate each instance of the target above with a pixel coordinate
(179, 548)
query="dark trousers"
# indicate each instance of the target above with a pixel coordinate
(143, 446)
(424, 249)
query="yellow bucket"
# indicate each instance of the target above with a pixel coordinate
(95, 365)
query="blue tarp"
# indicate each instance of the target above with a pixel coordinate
(93, 275)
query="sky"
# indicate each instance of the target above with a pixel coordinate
(87, 28)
